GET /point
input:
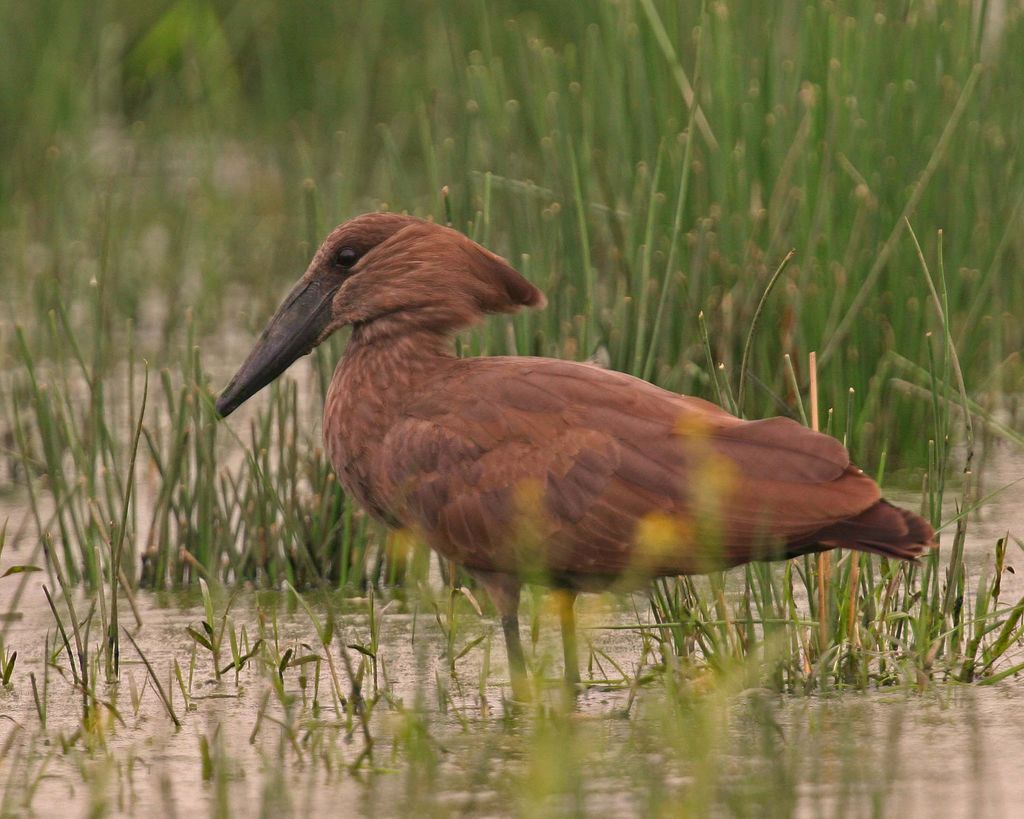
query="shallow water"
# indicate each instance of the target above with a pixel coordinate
(446, 743)
(948, 751)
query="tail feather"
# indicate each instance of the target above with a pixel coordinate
(882, 529)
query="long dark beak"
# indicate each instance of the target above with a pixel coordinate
(295, 330)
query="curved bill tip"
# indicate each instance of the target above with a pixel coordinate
(227, 402)
(263, 365)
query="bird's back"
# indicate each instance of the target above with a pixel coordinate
(547, 466)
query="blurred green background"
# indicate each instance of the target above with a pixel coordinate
(161, 160)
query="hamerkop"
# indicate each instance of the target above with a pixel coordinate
(526, 469)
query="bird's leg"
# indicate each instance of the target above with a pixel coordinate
(504, 591)
(516, 658)
(567, 620)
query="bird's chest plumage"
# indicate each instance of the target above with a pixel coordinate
(355, 423)
(365, 400)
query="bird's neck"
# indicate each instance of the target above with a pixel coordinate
(385, 358)
(385, 362)
(398, 338)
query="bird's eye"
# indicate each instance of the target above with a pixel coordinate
(347, 257)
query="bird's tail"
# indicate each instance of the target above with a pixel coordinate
(882, 529)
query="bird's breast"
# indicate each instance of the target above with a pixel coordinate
(355, 423)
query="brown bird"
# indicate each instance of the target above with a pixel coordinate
(528, 469)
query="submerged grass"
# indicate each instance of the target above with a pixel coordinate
(706, 196)
(273, 730)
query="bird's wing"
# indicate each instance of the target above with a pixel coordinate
(575, 467)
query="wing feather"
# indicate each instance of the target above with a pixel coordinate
(594, 456)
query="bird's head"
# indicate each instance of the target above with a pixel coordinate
(381, 267)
